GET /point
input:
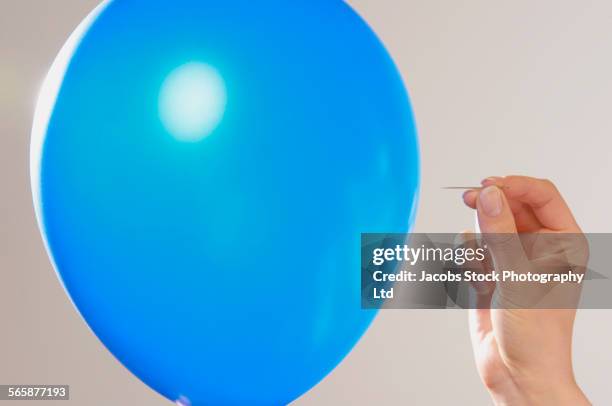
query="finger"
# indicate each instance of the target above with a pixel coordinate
(491, 180)
(469, 198)
(494, 213)
(525, 219)
(498, 227)
(543, 198)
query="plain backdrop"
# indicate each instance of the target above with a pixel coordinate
(498, 87)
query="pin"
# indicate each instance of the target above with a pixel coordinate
(462, 187)
(468, 187)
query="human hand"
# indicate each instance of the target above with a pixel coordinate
(523, 355)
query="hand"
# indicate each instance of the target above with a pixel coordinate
(523, 355)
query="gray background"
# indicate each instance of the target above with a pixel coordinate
(498, 87)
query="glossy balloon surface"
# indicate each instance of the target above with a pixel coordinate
(202, 171)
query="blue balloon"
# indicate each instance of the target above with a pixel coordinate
(202, 171)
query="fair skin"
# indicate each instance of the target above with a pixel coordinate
(523, 356)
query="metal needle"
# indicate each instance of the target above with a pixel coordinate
(467, 187)
(462, 187)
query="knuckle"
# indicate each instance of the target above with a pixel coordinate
(549, 183)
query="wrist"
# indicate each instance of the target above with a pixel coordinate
(568, 393)
(544, 393)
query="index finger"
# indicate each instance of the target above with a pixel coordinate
(544, 199)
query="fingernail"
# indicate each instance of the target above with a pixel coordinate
(491, 180)
(491, 201)
(467, 193)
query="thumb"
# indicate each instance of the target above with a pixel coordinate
(496, 223)
(494, 214)
(498, 227)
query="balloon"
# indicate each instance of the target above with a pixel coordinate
(202, 172)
